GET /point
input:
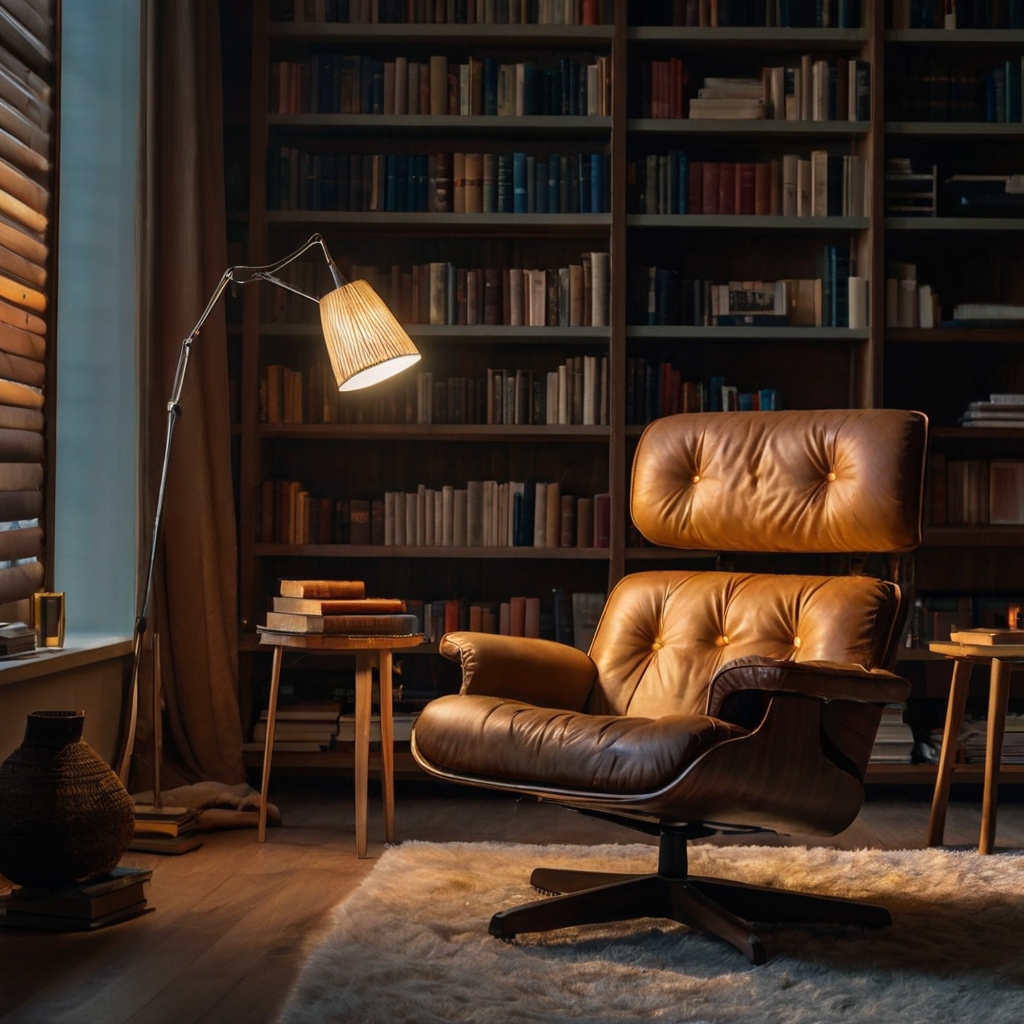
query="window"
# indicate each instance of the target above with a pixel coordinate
(27, 176)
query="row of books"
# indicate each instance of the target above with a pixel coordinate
(1001, 410)
(481, 514)
(298, 179)
(446, 12)
(655, 389)
(936, 616)
(659, 295)
(910, 193)
(908, 302)
(942, 85)
(755, 13)
(957, 14)
(489, 514)
(574, 394)
(819, 185)
(335, 83)
(296, 731)
(567, 617)
(973, 740)
(813, 90)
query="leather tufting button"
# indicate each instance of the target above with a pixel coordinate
(657, 645)
(796, 641)
(696, 478)
(831, 478)
(724, 640)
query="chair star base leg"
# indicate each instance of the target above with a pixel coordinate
(716, 906)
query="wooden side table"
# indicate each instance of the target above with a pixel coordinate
(1000, 657)
(370, 652)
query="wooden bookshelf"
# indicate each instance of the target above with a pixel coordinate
(810, 366)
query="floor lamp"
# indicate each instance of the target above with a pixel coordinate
(365, 344)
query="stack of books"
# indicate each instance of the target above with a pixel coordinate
(165, 830)
(79, 907)
(1003, 410)
(16, 638)
(734, 98)
(894, 741)
(301, 728)
(974, 743)
(337, 607)
(402, 722)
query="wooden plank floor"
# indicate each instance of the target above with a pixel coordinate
(233, 919)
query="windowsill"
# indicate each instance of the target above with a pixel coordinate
(79, 649)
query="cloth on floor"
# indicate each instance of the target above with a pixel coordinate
(220, 806)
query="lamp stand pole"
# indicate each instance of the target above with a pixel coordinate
(237, 275)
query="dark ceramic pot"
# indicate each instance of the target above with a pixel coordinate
(64, 815)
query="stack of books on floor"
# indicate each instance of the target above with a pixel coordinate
(894, 741)
(402, 723)
(165, 830)
(973, 740)
(1003, 411)
(81, 906)
(339, 608)
(301, 728)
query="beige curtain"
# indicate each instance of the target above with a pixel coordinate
(183, 254)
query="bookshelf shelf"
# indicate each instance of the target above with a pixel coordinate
(974, 536)
(956, 36)
(737, 222)
(390, 551)
(762, 38)
(978, 433)
(956, 335)
(665, 332)
(442, 124)
(505, 333)
(435, 432)
(993, 224)
(737, 128)
(954, 129)
(537, 224)
(464, 35)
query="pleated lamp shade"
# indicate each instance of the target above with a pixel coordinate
(364, 340)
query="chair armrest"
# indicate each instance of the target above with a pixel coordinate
(538, 672)
(826, 679)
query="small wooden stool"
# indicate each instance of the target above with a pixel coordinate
(1000, 657)
(370, 652)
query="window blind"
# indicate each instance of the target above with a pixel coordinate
(27, 175)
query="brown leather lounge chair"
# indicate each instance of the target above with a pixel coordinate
(710, 701)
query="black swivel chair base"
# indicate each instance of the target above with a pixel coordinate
(716, 906)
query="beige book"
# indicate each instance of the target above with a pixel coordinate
(575, 295)
(458, 182)
(803, 188)
(401, 89)
(819, 183)
(789, 184)
(600, 263)
(474, 184)
(438, 85)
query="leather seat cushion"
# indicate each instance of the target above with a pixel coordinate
(494, 738)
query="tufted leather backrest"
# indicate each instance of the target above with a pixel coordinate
(815, 481)
(664, 635)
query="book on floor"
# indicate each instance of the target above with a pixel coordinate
(84, 905)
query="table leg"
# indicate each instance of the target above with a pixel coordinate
(268, 742)
(954, 720)
(387, 746)
(998, 698)
(364, 696)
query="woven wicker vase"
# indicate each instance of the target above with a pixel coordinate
(64, 815)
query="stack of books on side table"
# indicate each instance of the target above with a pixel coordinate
(82, 906)
(339, 608)
(165, 830)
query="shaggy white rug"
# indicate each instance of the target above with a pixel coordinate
(410, 946)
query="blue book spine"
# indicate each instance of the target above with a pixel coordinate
(768, 399)
(365, 79)
(540, 190)
(597, 183)
(402, 178)
(504, 183)
(745, 401)
(826, 287)
(531, 184)
(715, 385)
(490, 86)
(553, 183)
(378, 86)
(519, 183)
(684, 184)
(583, 183)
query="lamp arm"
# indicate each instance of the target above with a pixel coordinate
(237, 275)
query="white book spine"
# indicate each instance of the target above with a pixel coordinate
(858, 287)
(428, 534)
(421, 515)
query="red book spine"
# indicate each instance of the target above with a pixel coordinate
(727, 187)
(695, 193)
(589, 12)
(711, 173)
(748, 189)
